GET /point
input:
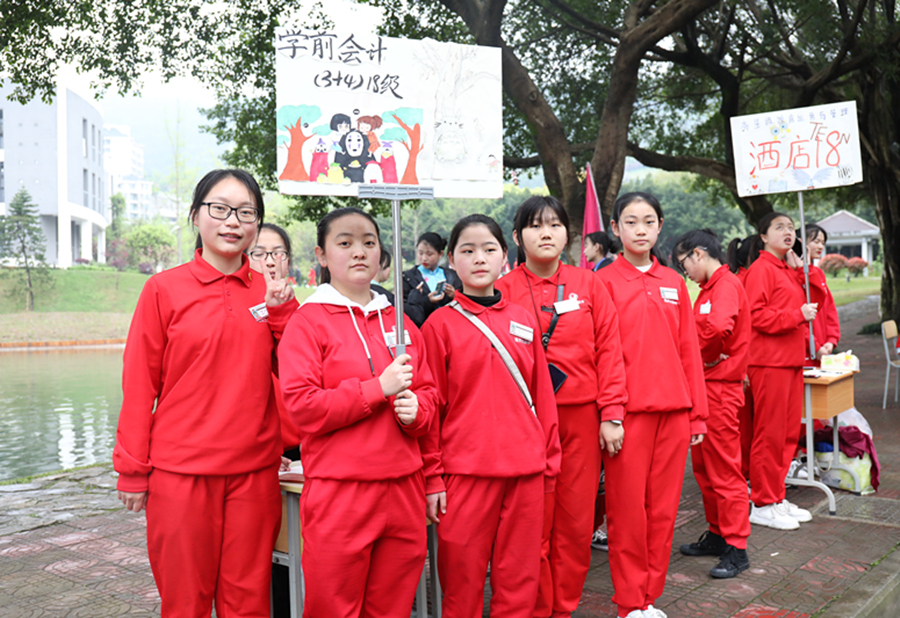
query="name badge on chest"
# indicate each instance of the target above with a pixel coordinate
(670, 295)
(390, 339)
(260, 312)
(565, 306)
(521, 331)
(706, 307)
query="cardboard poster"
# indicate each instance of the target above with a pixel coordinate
(797, 149)
(356, 107)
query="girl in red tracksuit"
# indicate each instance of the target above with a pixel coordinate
(723, 325)
(580, 331)
(666, 409)
(779, 315)
(198, 443)
(827, 325)
(359, 407)
(490, 456)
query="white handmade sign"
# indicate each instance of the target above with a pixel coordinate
(355, 107)
(797, 149)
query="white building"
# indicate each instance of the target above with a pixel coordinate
(123, 160)
(55, 152)
(851, 236)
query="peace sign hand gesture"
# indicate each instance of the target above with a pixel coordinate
(277, 289)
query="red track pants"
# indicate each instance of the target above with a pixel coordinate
(717, 465)
(496, 520)
(211, 538)
(643, 487)
(777, 401)
(569, 512)
(363, 546)
(745, 419)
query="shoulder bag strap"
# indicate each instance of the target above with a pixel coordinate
(501, 350)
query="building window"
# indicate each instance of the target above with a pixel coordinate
(94, 142)
(1, 132)
(2, 181)
(86, 193)
(84, 138)
(94, 191)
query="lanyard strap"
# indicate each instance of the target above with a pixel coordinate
(545, 337)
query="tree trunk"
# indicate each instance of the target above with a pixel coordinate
(294, 168)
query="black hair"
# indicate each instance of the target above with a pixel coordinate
(813, 230)
(704, 239)
(757, 245)
(467, 222)
(324, 227)
(385, 260)
(601, 238)
(339, 119)
(434, 239)
(285, 239)
(738, 254)
(625, 200)
(211, 179)
(533, 210)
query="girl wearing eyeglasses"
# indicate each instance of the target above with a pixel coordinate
(198, 444)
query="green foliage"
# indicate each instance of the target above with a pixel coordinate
(22, 244)
(119, 223)
(150, 243)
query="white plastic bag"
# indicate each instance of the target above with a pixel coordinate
(841, 479)
(853, 418)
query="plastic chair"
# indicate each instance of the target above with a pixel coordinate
(889, 336)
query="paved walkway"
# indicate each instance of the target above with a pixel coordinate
(68, 549)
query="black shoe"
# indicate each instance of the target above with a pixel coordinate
(733, 562)
(709, 544)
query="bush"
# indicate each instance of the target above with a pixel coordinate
(82, 262)
(833, 264)
(856, 265)
(146, 268)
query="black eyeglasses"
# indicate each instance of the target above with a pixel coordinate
(279, 255)
(244, 214)
(685, 258)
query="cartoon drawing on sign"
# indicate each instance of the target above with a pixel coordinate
(293, 119)
(812, 181)
(318, 169)
(458, 139)
(367, 125)
(354, 155)
(340, 124)
(388, 163)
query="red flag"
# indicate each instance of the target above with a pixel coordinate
(592, 220)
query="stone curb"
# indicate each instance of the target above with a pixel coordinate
(875, 595)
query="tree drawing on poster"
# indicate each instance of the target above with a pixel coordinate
(359, 108)
(796, 150)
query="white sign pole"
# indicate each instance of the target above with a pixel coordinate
(805, 258)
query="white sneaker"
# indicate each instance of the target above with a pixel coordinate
(635, 613)
(653, 612)
(801, 515)
(773, 516)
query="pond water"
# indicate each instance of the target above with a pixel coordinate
(58, 409)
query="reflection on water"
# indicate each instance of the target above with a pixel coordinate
(58, 409)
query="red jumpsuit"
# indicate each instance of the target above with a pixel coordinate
(362, 510)
(208, 454)
(666, 406)
(723, 325)
(585, 346)
(493, 455)
(776, 373)
(827, 325)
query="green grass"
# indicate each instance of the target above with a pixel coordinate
(80, 290)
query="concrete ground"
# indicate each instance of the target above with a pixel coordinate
(68, 549)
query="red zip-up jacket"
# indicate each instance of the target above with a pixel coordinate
(348, 429)
(585, 344)
(775, 296)
(484, 426)
(663, 369)
(723, 326)
(197, 354)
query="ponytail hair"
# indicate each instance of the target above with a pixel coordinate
(704, 239)
(738, 253)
